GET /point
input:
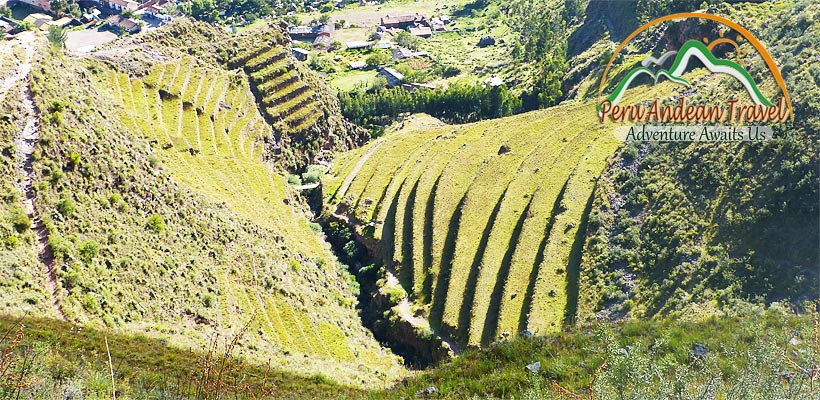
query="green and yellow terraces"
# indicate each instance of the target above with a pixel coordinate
(281, 90)
(484, 222)
(205, 129)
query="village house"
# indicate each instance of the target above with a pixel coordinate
(309, 32)
(323, 40)
(400, 53)
(44, 5)
(300, 54)
(438, 25)
(358, 45)
(403, 21)
(39, 20)
(393, 77)
(321, 34)
(128, 25)
(119, 5)
(422, 31)
(357, 64)
(92, 15)
(384, 44)
(157, 9)
(5, 27)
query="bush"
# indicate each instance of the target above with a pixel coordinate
(19, 220)
(376, 59)
(313, 175)
(296, 266)
(156, 224)
(59, 246)
(294, 180)
(208, 300)
(66, 206)
(88, 250)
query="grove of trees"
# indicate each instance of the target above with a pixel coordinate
(459, 103)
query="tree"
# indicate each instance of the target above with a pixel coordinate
(58, 6)
(405, 39)
(517, 50)
(5, 11)
(56, 36)
(202, 8)
(376, 59)
(25, 26)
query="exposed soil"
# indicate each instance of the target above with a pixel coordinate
(25, 142)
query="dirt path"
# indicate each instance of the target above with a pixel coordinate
(25, 142)
(353, 172)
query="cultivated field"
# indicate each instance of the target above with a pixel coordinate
(484, 222)
(208, 133)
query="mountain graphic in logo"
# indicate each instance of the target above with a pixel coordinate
(696, 49)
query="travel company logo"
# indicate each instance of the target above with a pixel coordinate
(680, 120)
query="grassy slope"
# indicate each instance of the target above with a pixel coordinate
(645, 360)
(224, 248)
(671, 228)
(452, 213)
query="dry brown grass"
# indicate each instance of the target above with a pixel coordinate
(16, 361)
(590, 395)
(221, 374)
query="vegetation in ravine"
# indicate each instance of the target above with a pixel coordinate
(456, 104)
(478, 220)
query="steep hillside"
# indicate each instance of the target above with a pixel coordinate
(304, 115)
(730, 356)
(675, 224)
(483, 222)
(486, 224)
(155, 213)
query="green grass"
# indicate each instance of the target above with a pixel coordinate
(65, 356)
(222, 257)
(645, 360)
(485, 243)
(349, 80)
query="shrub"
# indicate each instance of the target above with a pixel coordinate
(313, 175)
(294, 180)
(59, 246)
(66, 206)
(11, 242)
(376, 59)
(296, 266)
(208, 300)
(88, 250)
(156, 224)
(20, 220)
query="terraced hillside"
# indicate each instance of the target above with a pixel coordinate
(213, 140)
(304, 115)
(498, 206)
(154, 213)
